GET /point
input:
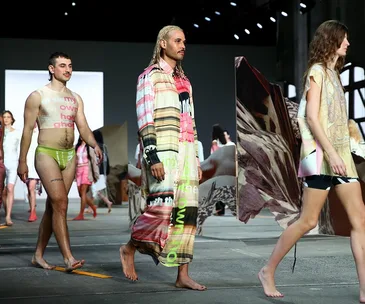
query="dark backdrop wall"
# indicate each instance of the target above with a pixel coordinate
(210, 69)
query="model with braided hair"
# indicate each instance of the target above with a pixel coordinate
(170, 166)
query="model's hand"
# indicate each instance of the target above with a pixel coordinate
(99, 154)
(23, 171)
(337, 164)
(158, 171)
(200, 173)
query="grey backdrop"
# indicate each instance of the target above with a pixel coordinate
(209, 67)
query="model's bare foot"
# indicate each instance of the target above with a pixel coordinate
(110, 204)
(40, 262)
(127, 260)
(8, 221)
(80, 217)
(73, 264)
(362, 296)
(189, 283)
(268, 283)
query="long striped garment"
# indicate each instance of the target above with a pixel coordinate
(165, 114)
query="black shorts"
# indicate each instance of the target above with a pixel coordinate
(325, 182)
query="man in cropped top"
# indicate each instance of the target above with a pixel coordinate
(56, 110)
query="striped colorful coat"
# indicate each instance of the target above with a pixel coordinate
(165, 115)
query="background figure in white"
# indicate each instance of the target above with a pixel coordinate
(33, 178)
(228, 138)
(11, 155)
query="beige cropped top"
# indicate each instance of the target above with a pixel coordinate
(58, 109)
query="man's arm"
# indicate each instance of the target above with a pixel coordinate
(31, 111)
(145, 106)
(84, 129)
(82, 125)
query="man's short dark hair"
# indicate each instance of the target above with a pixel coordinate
(52, 60)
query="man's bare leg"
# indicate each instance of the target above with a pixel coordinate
(127, 253)
(57, 185)
(184, 281)
(44, 234)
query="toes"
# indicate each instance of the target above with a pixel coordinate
(75, 265)
(275, 295)
(49, 267)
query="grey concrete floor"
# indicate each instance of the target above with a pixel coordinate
(227, 259)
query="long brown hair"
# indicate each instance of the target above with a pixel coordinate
(326, 41)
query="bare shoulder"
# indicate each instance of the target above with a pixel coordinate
(34, 98)
(77, 96)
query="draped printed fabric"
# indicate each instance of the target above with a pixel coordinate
(165, 113)
(267, 149)
(334, 120)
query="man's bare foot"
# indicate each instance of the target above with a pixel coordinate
(73, 264)
(40, 262)
(189, 283)
(8, 221)
(127, 260)
(268, 283)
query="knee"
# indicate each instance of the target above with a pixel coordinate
(308, 224)
(83, 196)
(59, 205)
(358, 222)
(9, 191)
